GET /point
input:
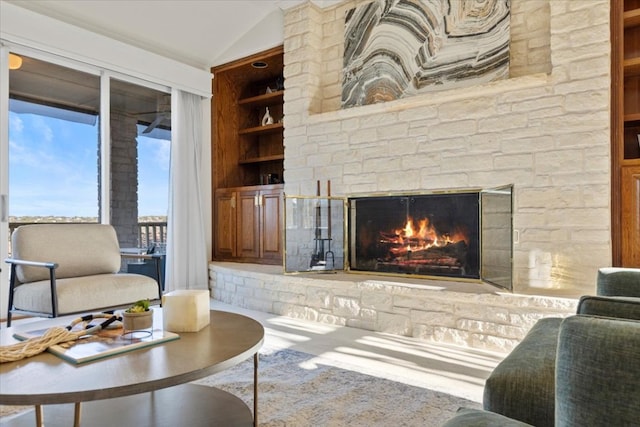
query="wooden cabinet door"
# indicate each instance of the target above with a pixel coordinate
(630, 221)
(248, 225)
(271, 225)
(225, 225)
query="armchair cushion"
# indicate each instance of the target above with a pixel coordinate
(76, 294)
(78, 249)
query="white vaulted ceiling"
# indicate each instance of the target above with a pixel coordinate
(199, 33)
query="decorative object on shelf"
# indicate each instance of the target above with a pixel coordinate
(273, 178)
(137, 317)
(267, 119)
(270, 178)
(268, 90)
(280, 83)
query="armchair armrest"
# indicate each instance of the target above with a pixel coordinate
(156, 258)
(141, 256)
(26, 263)
(14, 282)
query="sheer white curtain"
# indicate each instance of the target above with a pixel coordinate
(186, 266)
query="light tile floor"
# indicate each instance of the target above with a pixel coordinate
(454, 370)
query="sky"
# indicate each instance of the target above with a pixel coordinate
(53, 169)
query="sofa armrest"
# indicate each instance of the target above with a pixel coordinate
(616, 307)
(522, 385)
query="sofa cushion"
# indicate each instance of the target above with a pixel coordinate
(622, 307)
(78, 249)
(618, 281)
(82, 294)
(598, 372)
(522, 385)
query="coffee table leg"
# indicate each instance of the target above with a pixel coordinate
(255, 390)
(39, 422)
(76, 415)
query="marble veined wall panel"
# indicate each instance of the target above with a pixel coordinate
(399, 48)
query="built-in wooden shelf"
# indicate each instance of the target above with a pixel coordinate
(625, 125)
(631, 67)
(262, 159)
(631, 18)
(263, 100)
(632, 117)
(245, 156)
(258, 130)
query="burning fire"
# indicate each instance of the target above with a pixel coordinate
(411, 239)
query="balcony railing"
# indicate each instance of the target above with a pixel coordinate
(152, 232)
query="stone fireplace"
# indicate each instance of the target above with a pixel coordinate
(545, 130)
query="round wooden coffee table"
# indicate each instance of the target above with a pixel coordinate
(159, 371)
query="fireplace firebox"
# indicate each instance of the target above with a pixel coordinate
(428, 234)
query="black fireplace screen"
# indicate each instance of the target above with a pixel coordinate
(429, 234)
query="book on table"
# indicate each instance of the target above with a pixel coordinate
(104, 343)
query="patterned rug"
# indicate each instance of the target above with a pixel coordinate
(299, 389)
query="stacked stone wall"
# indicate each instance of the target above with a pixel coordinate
(545, 130)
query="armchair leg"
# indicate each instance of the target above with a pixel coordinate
(12, 285)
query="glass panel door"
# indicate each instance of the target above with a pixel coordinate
(140, 153)
(497, 236)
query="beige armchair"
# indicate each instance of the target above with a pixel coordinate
(61, 269)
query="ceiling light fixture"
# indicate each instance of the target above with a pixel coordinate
(15, 61)
(259, 64)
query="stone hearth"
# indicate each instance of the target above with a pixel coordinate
(474, 315)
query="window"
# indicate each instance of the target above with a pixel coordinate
(55, 168)
(53, 143)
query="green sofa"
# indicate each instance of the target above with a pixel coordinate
(523, 388)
